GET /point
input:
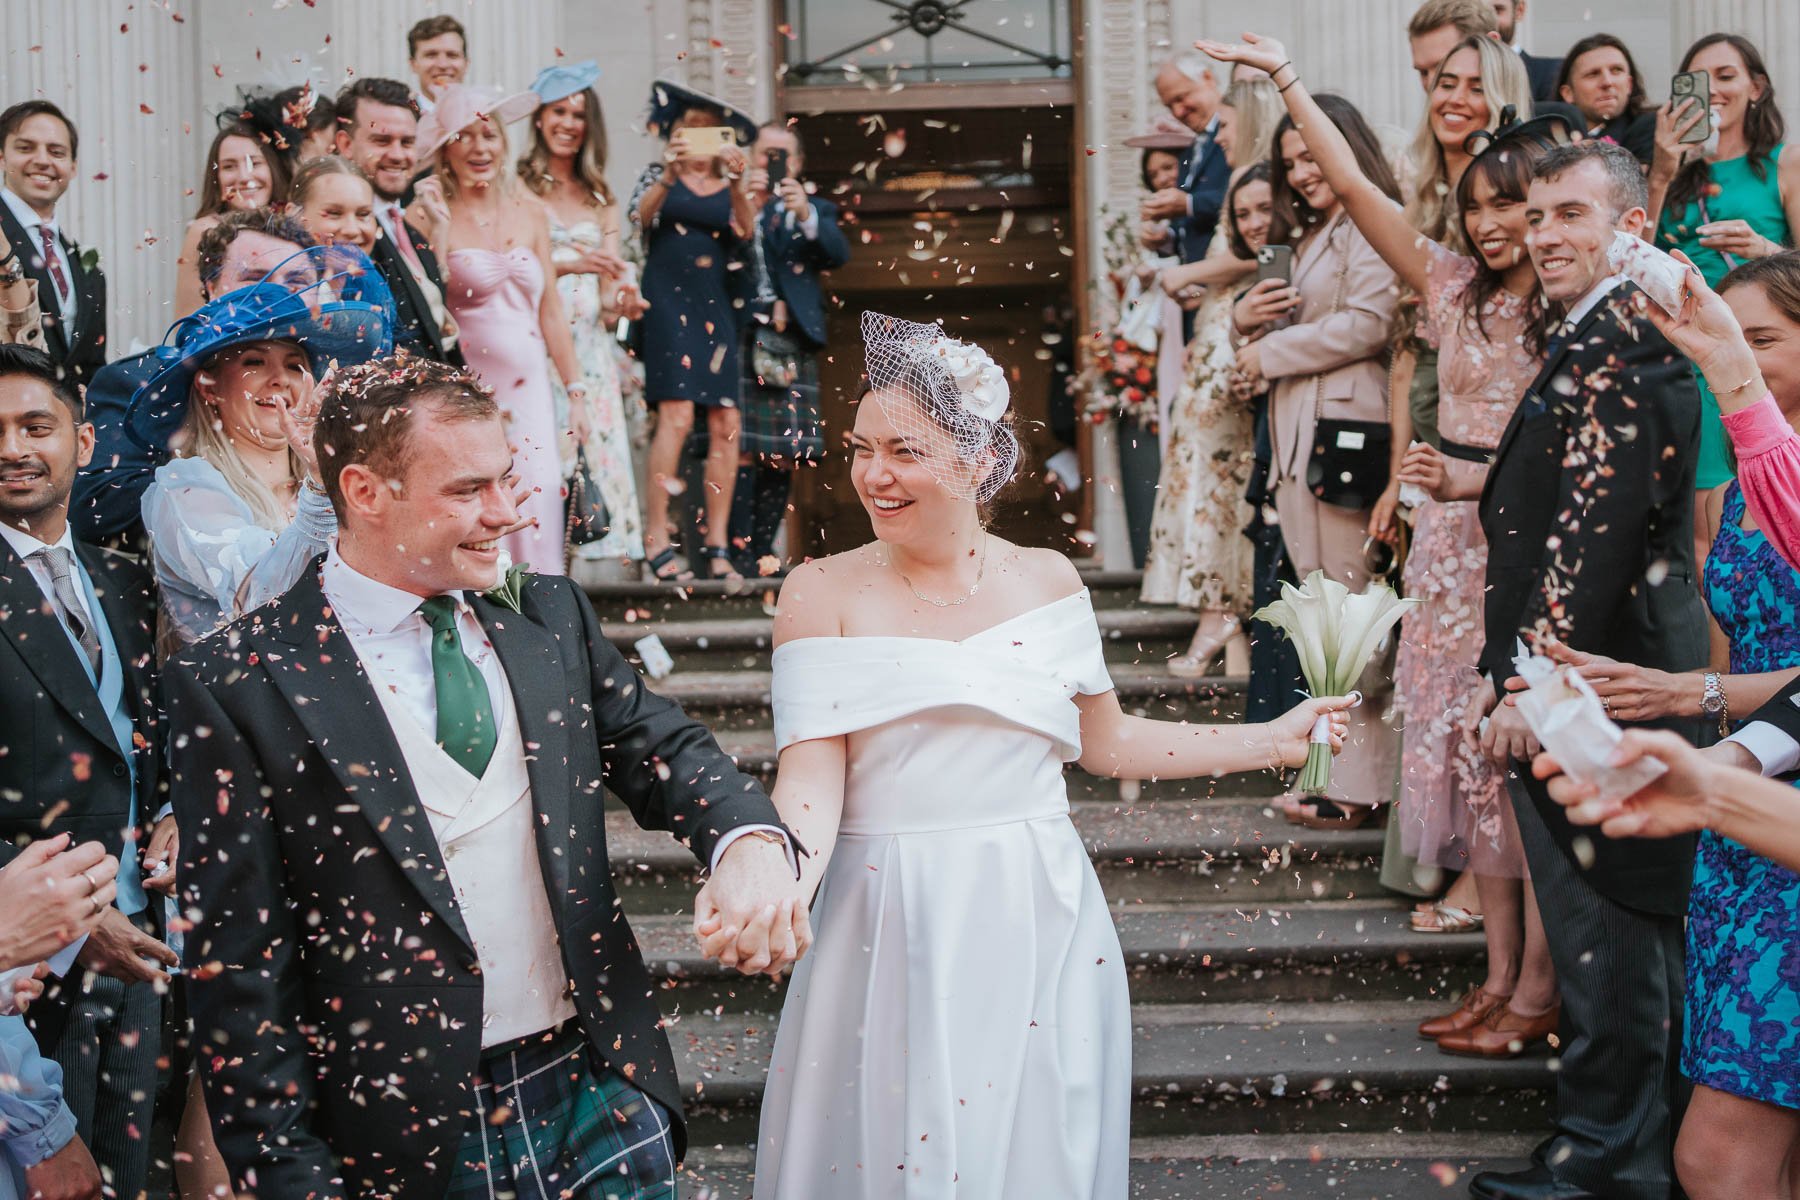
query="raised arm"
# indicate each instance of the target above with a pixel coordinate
(1381, 220)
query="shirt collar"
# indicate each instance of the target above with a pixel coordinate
(25, 214)
(367, 605)
(25, 545)
(1585, 305)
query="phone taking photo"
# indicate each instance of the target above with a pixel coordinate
(778, 167)
(1275, 262)
(1697, 84)
(709, 141)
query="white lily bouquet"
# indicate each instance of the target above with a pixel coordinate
(1336, 632)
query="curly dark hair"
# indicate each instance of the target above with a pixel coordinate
(366, 413)
(273, 222)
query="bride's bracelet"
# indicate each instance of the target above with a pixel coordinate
(1275, 763)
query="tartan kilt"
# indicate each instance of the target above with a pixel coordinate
(551, 1121)
(781, 422)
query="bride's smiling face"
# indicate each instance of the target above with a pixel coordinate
(896, 470)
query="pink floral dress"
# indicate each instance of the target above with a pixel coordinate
(1454, 809)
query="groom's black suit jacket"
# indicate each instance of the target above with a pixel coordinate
(1589, 516)
(336, 994)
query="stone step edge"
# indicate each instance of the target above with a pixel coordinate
(1279, 1061)
(1293, 847)
(1346, 935)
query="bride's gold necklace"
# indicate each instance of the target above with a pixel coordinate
(967, 596)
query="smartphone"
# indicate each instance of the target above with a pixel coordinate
(1697, 84)
(706, 141)
(1275, 262)
(778, 167)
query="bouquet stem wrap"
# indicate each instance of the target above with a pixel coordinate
(1335, 632)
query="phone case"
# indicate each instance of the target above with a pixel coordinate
(1697, 84)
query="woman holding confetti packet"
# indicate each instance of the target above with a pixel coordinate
(928, 688)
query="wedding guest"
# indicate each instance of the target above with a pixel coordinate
(1466, 92)
(1485, 312)
(1198, 556)
(76, 667)
(1732, 198)
(1601, 80)
(334, 203)
(242, 174)
(377, 129)
(797, 237)
(21, 321)
(1187, 88)
(243, 249)
(1438, 26)
(38, 148)
(1321, 351)
(238, 512)
(564, 164)
(1541, 71)
(1587, 513)
(495, 238)
(695, 214)
(383, 691)
(437, 51)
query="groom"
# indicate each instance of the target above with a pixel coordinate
(411, 976)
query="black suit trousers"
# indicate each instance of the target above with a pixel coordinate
(1619, 1093)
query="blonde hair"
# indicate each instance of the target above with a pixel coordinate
(509, 182)
(1431, 208)
(202, 435)
(1259, 110)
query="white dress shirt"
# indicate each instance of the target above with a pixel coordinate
(27, 216)
(1587, 303)
(393, 639)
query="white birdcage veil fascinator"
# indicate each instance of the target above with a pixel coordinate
(929, 382)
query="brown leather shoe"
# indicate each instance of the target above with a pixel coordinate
(1473, 1008)
(1503, 1033)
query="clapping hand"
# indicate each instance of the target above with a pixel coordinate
(1671, 804)
(299, 416)
(748, 916)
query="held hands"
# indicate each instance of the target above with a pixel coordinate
(1290, 734)
(1264, 304)
(1672, 804)
(748, 915)
(1505, 736)
(51, 895)
(1264, 53)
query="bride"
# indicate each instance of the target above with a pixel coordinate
(961, 1027)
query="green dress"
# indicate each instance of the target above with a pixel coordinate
(1735, 194)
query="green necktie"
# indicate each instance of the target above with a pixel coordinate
(465, 712)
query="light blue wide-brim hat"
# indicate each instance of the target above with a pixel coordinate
(564, 80)
(344, 316)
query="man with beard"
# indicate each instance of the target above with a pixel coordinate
(378, 129)
(80, 742)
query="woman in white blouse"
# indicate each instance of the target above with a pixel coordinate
(238, 511)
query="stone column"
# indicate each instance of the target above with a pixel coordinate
(127, 76)
(1774, 25)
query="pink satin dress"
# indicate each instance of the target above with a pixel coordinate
(494, 297)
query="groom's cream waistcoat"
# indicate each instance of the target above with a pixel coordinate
(484, 827)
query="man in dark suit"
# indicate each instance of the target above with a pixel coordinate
(78, 707)
(38, 147)
(1588, 512)
(408, 954)
(243, 249)
(1187, 87)
(797, 238)
(378, 125)
(1541, 71)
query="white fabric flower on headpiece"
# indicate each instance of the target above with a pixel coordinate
(978, 378)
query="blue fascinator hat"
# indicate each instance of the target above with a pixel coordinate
(564, 80)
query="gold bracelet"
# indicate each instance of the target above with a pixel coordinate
(1740, 387)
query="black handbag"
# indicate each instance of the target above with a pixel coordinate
(588, 518)
(1350, 460)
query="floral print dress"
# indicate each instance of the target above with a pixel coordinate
(1454, 808)
(1742, 1033)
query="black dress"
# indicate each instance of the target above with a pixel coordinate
(690, 331)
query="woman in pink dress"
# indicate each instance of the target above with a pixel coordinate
(1486, 315)
(495, 238)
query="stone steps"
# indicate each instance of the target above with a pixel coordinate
(1350, 1167)
(1296, 1068)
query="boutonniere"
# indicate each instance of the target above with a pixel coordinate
(89, 258)
(508, 592)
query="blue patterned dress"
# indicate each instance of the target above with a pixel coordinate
(1743, 938)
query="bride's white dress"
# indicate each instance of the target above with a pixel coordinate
(962, 1026)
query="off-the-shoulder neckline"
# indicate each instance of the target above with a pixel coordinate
(901, 637)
